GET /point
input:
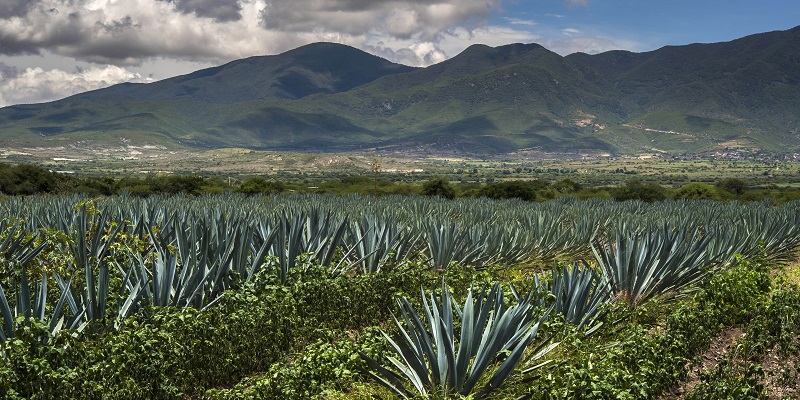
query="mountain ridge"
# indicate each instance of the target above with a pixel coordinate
(737, 95)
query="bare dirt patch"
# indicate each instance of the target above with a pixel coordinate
(781, 374)
(720, 347)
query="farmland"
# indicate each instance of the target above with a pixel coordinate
(235, 164)
(310, 296)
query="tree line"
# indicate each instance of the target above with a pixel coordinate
(25, 179)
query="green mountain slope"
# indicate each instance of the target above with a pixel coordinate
(743, 91)
(677, 99)
(314, 68)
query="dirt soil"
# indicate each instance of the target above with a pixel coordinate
(781, 372)
(781, 380)
(720, 347)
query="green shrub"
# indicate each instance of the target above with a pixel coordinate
(777, 323)
(642, 363)
(439, 187)
(697, 191)
(635, 190)
(259, 185)
(730, 381)
(170, 354)
(524, 190)
(733, 186)
(30, 370)
(353, 302)
(329, 364)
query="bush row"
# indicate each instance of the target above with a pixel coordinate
(174, 353)
(30, 179)
(649, 354)
(773, 332)
(302, 340)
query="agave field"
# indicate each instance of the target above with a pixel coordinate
(315, 296)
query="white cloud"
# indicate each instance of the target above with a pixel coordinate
(131, 31)
(589, 45)
(128, 32)
(576, 3)
(405, 51)
(156, 36)
(570, 31)
(220, 10)
(7, 71)
(520, 21)
(459, 39)
(11, 8)
(35, 85)
(132, 34)
(448, 44)
(424, 19)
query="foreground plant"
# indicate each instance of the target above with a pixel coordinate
(665, 261)
(437, 359)
(580, 294)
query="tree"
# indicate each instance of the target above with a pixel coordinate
(375, 166)
(525, 190)
(172, 184)
(733, 185)
(696, 191)
(25, 179)
(567, 186)
(439, 187)
(259, 185)
(635, 190)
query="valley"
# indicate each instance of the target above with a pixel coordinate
(235, 164)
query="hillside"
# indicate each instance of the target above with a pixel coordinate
(678, 99)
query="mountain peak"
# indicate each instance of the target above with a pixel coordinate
(502, 54)
(328, 96)
(314, 68)
(318, 49)
(480, 57)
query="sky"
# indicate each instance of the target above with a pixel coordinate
(50, 49)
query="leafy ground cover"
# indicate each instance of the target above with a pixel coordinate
(295, 297)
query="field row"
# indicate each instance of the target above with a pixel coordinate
(79, 266)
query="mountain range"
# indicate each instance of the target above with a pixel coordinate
(738, 95)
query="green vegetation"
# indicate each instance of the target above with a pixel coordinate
(499, 277)
(728, 97)
(448, 360)
(439, 187)
(306, 296)
(524, 190)
(635, 190)
(636, 364)
(27, 179)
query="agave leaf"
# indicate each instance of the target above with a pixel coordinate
(102, 291)
(506, 367)
(413, 354)
(393, 381)
(24, 295)
(454, 364)
(467, 338)
(418, 377)
(57, 320)
(41, 299)
(8, 318)
(422, 339)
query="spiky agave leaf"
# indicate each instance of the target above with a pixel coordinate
(31, 304)
(433, 356)
(665, 261)
(580, 293)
